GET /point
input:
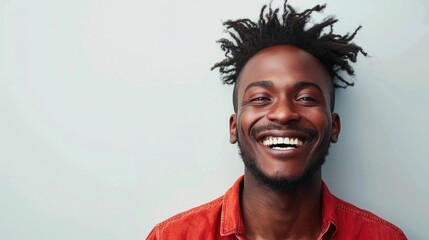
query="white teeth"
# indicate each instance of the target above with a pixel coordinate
(281, 148)
(269, 141)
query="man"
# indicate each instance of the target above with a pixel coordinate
(284, 74)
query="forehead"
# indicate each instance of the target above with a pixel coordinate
(284, 65)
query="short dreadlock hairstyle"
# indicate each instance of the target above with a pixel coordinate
(334, 51)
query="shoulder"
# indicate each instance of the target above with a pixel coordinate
(203, 217)
(205, 221)
(364, 224)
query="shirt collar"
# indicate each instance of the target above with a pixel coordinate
(329, 218)
(232, 220)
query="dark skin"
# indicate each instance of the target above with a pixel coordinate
(287, 86)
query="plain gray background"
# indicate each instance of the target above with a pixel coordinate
(111, 120)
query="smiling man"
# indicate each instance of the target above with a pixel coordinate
(284, 74)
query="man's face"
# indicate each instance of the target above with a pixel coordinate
(284, 123)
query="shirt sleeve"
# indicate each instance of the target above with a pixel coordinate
(153, 235)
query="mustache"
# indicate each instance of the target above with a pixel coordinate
(275, 126)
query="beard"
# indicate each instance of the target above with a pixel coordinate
(282, 184)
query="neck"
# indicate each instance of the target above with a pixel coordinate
(270, 214)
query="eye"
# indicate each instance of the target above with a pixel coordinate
(307, 99)
(260, 99)
(310, 97)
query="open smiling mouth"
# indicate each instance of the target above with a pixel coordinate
(282, 143)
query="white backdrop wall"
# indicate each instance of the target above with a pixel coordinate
(111, 120)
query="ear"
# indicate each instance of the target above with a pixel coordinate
(232, 129)
(336, 127)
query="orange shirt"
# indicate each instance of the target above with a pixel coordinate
(222, 219)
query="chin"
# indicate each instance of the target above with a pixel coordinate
(287, 182)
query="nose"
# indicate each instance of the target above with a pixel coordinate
(283, 112)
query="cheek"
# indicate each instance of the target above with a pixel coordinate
(247, 119)
(321, 120)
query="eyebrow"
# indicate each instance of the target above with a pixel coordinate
(307, 84)
(266, 83)
(259, 84)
